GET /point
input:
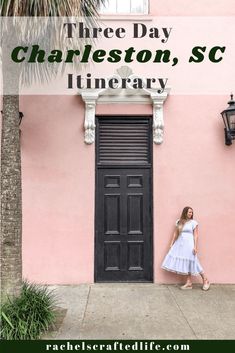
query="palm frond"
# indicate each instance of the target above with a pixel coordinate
(50, 7)
(29, 28)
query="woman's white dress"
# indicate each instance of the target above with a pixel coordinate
(180, 258)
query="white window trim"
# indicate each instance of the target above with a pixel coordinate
(144, 13)
(143, 18)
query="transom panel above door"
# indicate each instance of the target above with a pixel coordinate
(123, 226)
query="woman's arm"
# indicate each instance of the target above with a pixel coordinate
(174, 237)
(195, 237)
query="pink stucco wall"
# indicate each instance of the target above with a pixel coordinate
(192, 167)
(58, 191)
(195, 168)
(192, 8)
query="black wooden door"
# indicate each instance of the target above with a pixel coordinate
(123, 246)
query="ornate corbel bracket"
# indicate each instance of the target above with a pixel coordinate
(89, 123)
(158, 123)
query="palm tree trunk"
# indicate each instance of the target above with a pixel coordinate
(11, 199)
(11, 191)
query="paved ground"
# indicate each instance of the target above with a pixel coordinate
(145, 311)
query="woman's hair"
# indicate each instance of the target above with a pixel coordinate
(183, 219)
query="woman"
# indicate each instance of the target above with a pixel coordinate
(182, 256)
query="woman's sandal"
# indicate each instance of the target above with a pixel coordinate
(206, 286)
(186, 286)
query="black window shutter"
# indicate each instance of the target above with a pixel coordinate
(123, 141)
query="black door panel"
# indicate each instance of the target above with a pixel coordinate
(124, 220)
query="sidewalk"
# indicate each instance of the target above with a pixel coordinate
(145, 311)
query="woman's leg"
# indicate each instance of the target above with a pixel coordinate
(189, 280)
(204, 278)
(206, 283)
(188, 284)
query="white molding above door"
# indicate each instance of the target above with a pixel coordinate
(129, 95)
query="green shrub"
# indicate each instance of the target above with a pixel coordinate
(29, 315)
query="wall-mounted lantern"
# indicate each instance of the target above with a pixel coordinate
(21, 115)
(228, 116)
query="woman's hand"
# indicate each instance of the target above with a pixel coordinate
(195, 251)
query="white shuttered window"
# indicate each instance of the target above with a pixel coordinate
(125, 7)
